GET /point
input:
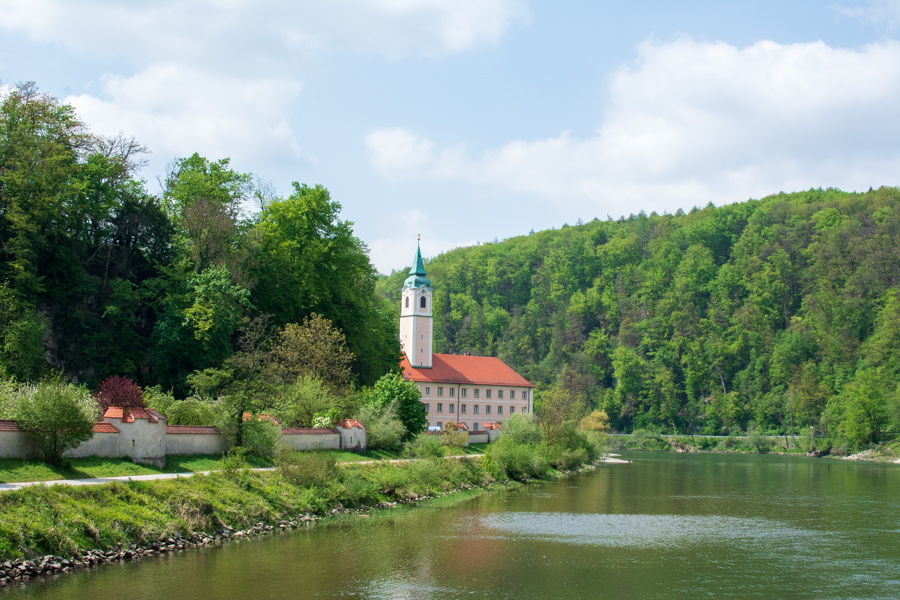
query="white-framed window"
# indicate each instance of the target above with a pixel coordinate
(427, 407)
(474, 426)
(440, 407)
(452, 392)
(487, 409)
(476, 393)
(487, 394)
(463, 392)
(499, 394)
(452, 407)
(512, 409)
(441, 425)
(440, 391)
(499, 410)
(524, 395)
(475, 409)
(462, 408)
(427, 390)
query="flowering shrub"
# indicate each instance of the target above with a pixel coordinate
(120, 391)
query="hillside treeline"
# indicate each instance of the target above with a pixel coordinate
(99, 277)
(771, 315)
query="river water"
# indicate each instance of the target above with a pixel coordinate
(664, 526)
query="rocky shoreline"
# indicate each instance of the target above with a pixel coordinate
(21, 571)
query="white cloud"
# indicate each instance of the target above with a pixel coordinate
(880, 12)
(261, 32)
(177, 111)
(690, 122)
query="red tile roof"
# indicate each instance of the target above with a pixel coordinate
(7, 425)
(184, 429)
(349, 423)
(128, 415)
(104, 428)
(263, 417)
(492, 426)
(459, 368)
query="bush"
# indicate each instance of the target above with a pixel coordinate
(566, 460)
(521, 428)
(759, 441)
(120, 391)
(644, 439)
(424, 446)
(59, 416)
(233, 466)
(518, 461)
(192, 411)
(307, 469)
(383, 428)
(261, 438)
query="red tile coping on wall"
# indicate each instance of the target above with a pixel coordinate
(262, 417)
(8, 425)
(185, 429)
(307, 430)
(492, 426)
(128, 415)
(104, 428)
(349, 424)
(459, 368)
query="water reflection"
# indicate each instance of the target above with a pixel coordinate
(634, 530)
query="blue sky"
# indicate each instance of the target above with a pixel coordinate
(470, 120)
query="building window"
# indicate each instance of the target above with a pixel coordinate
(462, 408)
(452, 392)
(427, 391)
(451, 409)
(441, 425)
(512, 409)
(499, 394)
(475, 409)
(407, 302)
(499, 410)
(487, 394)
(440, 391)
(476, 393)
(474, 426)
(464, 390)
(524, 395)
(487, 410)
(440, 407)
(427, 407)
(422, 303)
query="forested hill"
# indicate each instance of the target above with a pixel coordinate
(770, 313)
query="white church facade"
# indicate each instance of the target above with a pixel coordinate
(474, 391)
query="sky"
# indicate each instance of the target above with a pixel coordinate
(468, 121)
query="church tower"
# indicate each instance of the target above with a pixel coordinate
(415, 315)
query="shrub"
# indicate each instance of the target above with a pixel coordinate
(518, 461)
(59, 416)
(567, 460)
(192, 411)
(261, 438)
(759, 441)
(383, 428)
(454, 436)
(647, 440)
(306, 469)
(424, 446)
(120, 391)
(233, 466)
(521, 428)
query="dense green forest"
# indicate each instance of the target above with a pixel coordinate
(100, 278)
(772, 315)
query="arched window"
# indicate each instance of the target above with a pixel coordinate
(422, 303)
(407, 302)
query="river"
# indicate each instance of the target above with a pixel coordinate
(665, 526)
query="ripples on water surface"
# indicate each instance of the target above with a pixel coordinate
(665, 526)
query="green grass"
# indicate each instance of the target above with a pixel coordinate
(15, 470)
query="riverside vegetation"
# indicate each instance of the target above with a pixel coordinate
(127, 519)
